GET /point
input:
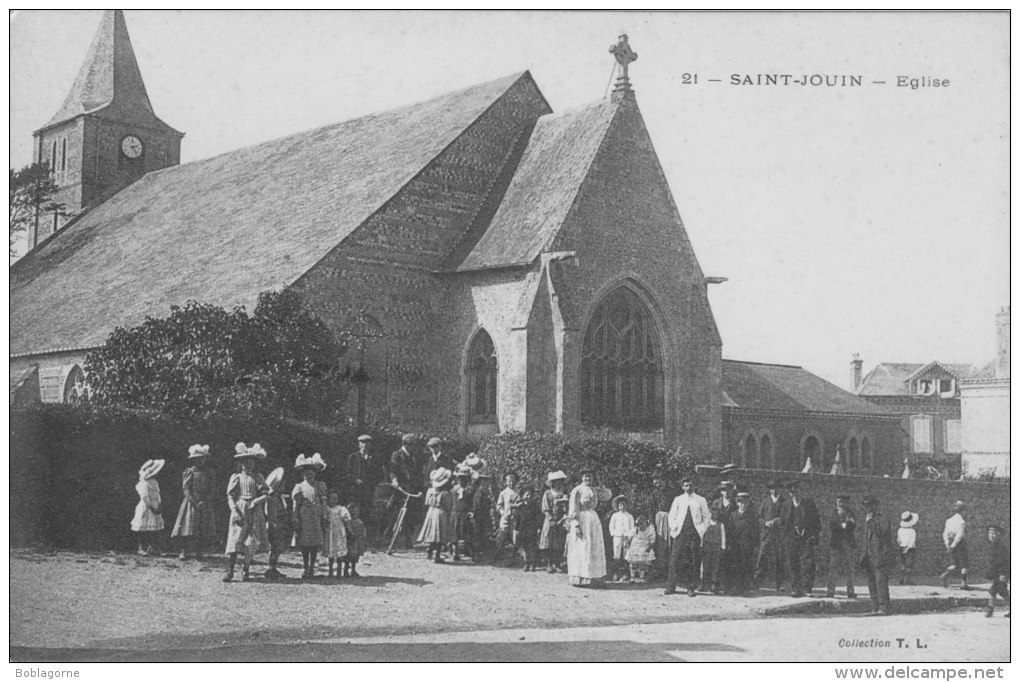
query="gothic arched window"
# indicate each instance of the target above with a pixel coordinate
(854, 454)
(621, 366)
(766, 456)
(812, 451)
(483, 372)
(866, 460)
(76, 389)
(750, 452)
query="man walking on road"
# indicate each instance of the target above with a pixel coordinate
(955, 538)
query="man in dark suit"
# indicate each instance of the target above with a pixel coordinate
(363, 473)
(876, 554)
(726, 506)
(745, 543)
(842, 546)
(403, 472)
(436, 459)
(801, 526)
(770, 519)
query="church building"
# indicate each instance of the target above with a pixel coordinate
(502, 266)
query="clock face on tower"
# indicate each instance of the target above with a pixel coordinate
(131, 146)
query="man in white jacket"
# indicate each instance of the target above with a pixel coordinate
(688, 519)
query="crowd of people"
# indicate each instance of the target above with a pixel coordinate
(723, 544)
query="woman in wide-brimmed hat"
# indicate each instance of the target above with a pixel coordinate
(245, 492)
(310, 516)
(586, 549)
(553, 537)
(437, 530)
(148, 519)
(196, 519)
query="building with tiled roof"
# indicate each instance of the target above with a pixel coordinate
(502, 267)
(780, 416)
(926, 396)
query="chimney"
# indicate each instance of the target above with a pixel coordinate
(1002, 344)
(855, 368)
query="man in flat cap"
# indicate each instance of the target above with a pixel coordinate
(770, 519)
(877, 547)
(842, 545)
(745, 543)
(363, 474)
(801, 526)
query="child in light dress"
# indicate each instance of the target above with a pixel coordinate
(641, 552)
(338, 521)
(148, 519)
(621, 528)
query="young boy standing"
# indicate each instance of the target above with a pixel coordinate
(998, 570)
(621, 528)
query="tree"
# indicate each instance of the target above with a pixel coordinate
(32, 189)
(203, 360)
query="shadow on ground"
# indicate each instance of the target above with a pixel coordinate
(480, 652)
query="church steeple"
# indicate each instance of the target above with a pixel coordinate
(106, 134)
(109, 74)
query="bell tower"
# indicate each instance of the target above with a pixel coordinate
(105, 135)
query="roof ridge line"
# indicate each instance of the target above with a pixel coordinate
(373, 114)
(616, 106)
(403, 185)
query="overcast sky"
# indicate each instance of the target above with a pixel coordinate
(868, 219)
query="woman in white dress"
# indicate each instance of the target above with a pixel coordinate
(586, 549)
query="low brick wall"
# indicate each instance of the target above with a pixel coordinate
(987, 503)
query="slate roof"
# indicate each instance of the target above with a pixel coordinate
(223, 229)
(108, 77)
(787, 388)
(890, 378)
(544, 187)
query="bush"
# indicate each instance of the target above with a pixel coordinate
(623, 465)
(202, 360)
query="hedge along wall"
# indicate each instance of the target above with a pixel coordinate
(73, 470)
(987, 503)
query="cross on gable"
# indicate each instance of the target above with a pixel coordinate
(624, 55)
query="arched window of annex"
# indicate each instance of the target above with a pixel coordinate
(483, 378)
(749, 451)
(811, 446)
(867, 460)
(621, 378)
(76, 389)
(766, 451)
(853, 453)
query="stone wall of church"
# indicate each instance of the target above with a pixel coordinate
(389, 268)
(54, 368)
(625, 228)
(787, 433)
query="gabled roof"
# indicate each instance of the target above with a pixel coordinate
(224, 229)
(786, 388)
(542, 191)
(891, 378)
(109, 75)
